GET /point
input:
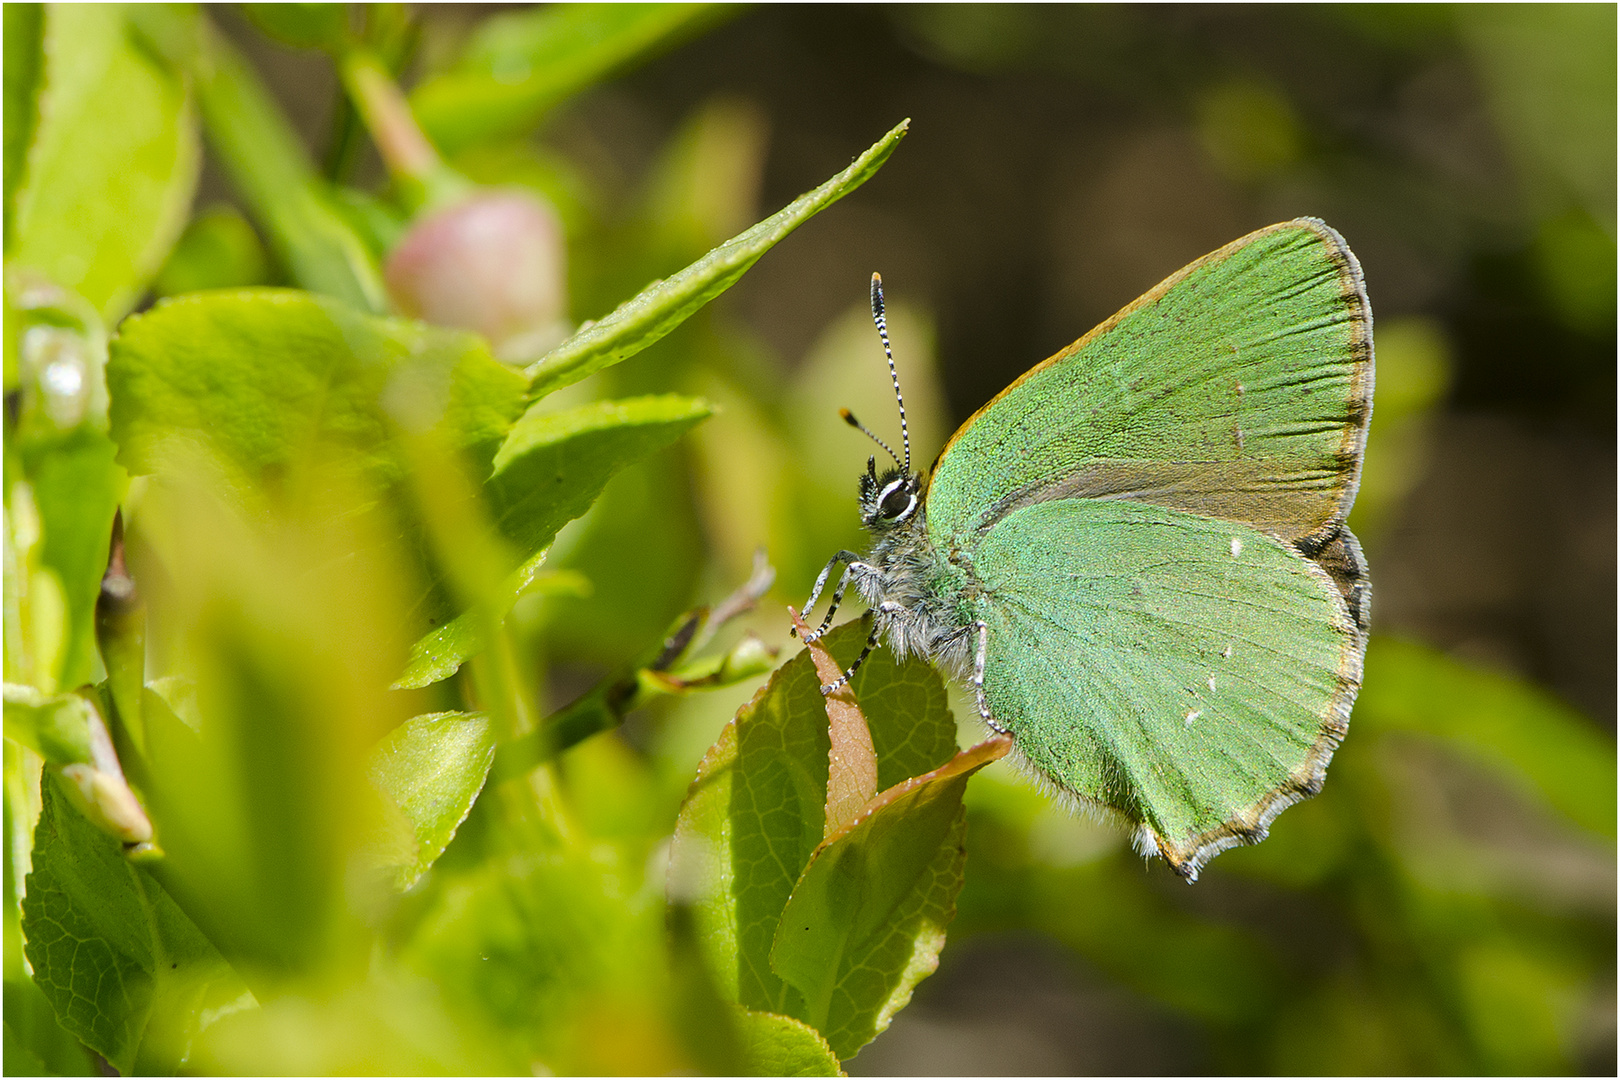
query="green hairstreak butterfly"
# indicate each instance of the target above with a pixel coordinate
(1136, 554)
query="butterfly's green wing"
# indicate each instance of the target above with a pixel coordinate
(1191, 674)
(1227, 405)
(1238, 388)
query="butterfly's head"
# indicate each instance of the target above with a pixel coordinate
(893, 497)
(889, 498)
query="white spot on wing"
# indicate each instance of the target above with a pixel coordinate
(1193, 714)
(1226, 653)
(1237, 547)
(1210, 682)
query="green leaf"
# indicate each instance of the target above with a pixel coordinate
(664, 305)
(775, 1045)
(867, 919)
(754, 815)
(257, 785)
(271, 169)
(645, 518)
(58, 436)
(303, 26)
(270, 375)
(125, 970)
(24, 63)
(559, 950)
(77, 488)
(553, 465)
(381, 1026)
(440, 652)
(518, 66)
(432, 768)
(55, 727)
(218, 250)
(1504, 723)
(35, 1044)
(113, 164)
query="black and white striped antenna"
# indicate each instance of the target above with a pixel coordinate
(894, 376)
(849, 418)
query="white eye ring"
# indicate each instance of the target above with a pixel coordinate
(889, 489)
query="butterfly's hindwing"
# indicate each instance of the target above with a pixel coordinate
(1190, 674)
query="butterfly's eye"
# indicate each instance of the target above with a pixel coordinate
(897, 500)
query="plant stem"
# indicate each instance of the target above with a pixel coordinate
(424, 181)
(121, 636)
(272, 170)
(345, 144)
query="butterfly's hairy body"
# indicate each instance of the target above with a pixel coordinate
(910, 591)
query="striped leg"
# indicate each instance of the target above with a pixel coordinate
(855, 566)
(871, 643)
(983, 629)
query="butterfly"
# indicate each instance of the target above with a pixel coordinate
(1136, 554)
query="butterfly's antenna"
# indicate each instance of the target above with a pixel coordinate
(849, 418)
(883, 332)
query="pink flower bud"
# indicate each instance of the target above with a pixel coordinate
(494, 263)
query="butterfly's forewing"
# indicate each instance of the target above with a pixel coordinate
(1155, 520)
(1192, 674)
(1238, 388)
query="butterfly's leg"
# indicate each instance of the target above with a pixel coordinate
(871, 643)
(832, 607)
(821, 581)
(855, 567)
(983, 629)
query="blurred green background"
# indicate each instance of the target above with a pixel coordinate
(1448, 904)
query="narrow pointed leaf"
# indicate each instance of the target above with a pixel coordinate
(664, 305)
